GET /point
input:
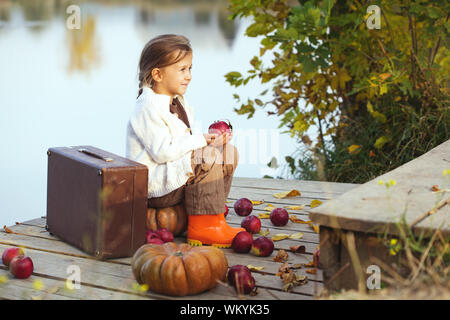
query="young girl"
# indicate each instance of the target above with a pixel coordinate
(184, 166)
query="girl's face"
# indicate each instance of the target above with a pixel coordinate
(174, 79)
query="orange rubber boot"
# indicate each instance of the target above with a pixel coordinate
(224, 223)
(208, 229)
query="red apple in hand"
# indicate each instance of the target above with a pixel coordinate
(279, 217)
(219, 127)
(11, 253)
(240, 277)
(165, 235)
(262, 247)
(252, 224)
(242, 242)
(21, 267)
(243, 207)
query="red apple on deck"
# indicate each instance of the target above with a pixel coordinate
(262, 247)
(165, 235)
(240, 277)
(220, 127)
(11, 253)
(279, 217)
(252, 224)
(155, 241)
(243, 207)
(21, 267)
(242, 242)
(150, 235)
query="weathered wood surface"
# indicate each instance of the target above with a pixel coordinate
(113, 279)
(371, 207)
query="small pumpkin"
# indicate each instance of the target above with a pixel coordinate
(173, 219)
(179, 270)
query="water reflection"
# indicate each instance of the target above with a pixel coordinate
(83, 46)
(38, 13)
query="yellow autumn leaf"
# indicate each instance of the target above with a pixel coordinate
(254, 268)
(263, 215)
(292, 193)
(38, 285)
(354, 149)
(257, 202)
(315, 227)
(297, 220)
(297, 235)
(280, 236)
(264, 233)
(383, 89)
(269, 208)
(294, 207)
(315, 203)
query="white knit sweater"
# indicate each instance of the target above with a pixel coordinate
(162, 142)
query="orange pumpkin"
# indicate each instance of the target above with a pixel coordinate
(172, 218)
(179, 270)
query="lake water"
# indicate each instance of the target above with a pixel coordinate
(61, 87)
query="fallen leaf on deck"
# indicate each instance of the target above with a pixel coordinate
(298, 220)
(282, 256)
(257, 202)
(269, 207)
(298, 249)
(280, 236)
(264, 215)
(264, 233)
(315, 227)
(435, 188)
(315, 203)
(254, 268)
(53, 290)
(310, 264)
(290, 278)
(297, 235)
(297, 266)
(294, 207)
(7, 230)
(292, 193)
(312, 271)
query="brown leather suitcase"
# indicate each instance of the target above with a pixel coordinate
(96, 200)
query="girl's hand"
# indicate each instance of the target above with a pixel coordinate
(210, 138)
(222, 140)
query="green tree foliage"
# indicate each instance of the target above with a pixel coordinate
(377, 97)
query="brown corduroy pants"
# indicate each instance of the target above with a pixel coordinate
(206, 191)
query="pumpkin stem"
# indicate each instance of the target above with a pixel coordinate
(178, 253)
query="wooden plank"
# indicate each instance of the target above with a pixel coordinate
(115, 278)
(373, 208)
(267, 196)
(50, 247)
(285, 244)
(236, 258)
(284, 185)
(241, 192)
(23, 289)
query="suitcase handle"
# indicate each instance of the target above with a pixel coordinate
(95, 155)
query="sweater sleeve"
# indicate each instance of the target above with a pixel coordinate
(155, 135)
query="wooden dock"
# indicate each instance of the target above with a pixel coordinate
(55, 261)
